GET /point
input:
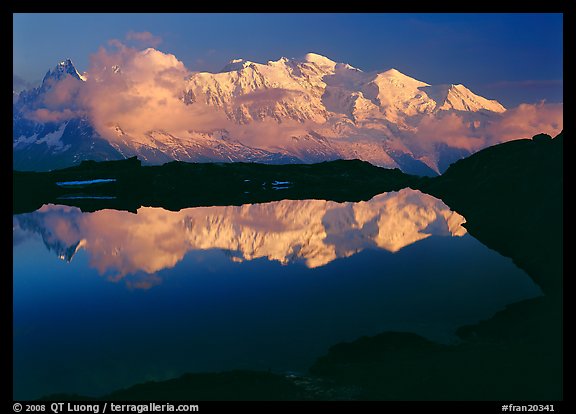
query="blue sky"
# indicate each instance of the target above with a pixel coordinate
(514, 58)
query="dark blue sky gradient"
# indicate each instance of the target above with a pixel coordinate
(510, 57)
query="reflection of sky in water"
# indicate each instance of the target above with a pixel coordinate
(264, 286)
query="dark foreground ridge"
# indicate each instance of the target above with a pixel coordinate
(177, 185)
(228, 386)
(511, 197)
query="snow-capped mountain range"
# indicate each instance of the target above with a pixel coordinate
(285, 111)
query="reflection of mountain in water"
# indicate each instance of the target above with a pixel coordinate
(315, 231)
(62, 241)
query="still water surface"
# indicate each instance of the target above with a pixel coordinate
(108, 299)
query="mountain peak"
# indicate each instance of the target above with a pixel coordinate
(62, 69)
(397, 79)
(236, 64)
(282, 61)
(66, 63)
(459, 97)
(319, 60)
(395, 73)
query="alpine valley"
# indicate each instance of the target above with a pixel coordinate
(310, 110)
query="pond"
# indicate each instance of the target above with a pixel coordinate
(107, 299)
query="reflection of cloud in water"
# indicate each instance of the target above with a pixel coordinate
(19, 235)
(315, 231)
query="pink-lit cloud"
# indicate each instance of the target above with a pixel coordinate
(525, 121)
(45, 115)
(451, 129)
(141, 91)
(458, 130)
(59, 103)
(144, 38)
(63, 93)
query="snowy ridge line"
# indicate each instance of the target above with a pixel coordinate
(292, 110)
